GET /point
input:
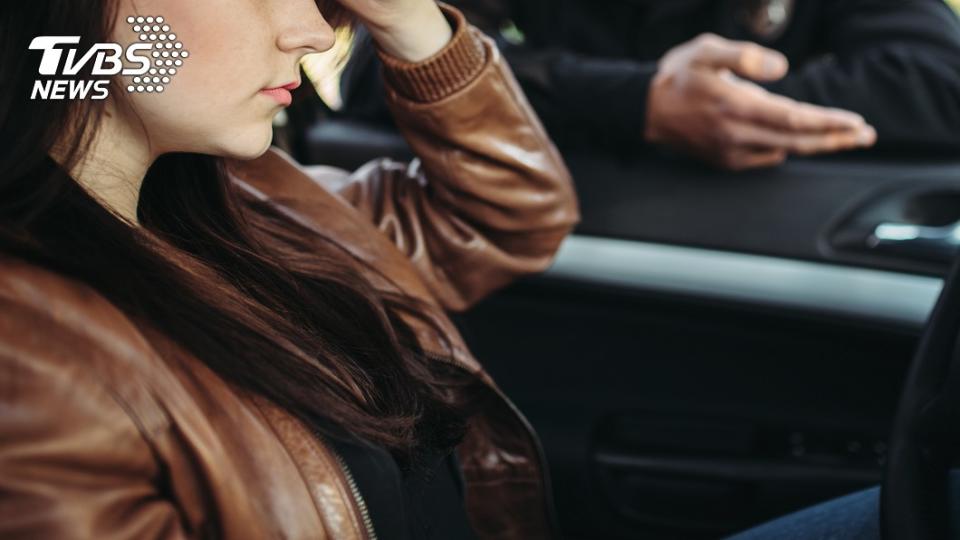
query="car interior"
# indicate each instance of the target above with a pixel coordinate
(710, 350)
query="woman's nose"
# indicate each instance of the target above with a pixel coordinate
(303, 27)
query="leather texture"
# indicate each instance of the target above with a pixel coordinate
(109, 430)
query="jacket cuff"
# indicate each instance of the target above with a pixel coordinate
(447, 71)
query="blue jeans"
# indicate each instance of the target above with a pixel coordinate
(852, 517)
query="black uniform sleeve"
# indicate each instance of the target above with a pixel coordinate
(896, 62)
(583, 100)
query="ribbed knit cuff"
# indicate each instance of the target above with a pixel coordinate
(448, 70)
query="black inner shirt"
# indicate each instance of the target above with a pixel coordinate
(416, 502)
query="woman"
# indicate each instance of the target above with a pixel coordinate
(198, 339)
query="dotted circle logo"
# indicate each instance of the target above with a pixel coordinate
(168, 54)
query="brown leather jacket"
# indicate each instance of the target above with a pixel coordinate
(109, 430)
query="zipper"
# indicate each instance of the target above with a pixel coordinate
(354, 490)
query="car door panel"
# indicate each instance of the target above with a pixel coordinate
(709, 349)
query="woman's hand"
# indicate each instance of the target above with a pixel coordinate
(411, 30)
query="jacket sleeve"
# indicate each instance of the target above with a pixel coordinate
(896, 62)
(76, 470)
(488, 197)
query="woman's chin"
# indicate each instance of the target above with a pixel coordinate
(247, 147)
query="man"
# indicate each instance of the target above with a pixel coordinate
(738, 83)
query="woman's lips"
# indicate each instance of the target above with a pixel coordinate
(282, 93)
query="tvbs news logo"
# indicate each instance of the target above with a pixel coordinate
(157, 53)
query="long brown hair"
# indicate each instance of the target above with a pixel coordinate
(271, 307)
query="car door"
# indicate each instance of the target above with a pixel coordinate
(708, 350)
(711, 350)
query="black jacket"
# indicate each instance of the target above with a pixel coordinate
(586, 65)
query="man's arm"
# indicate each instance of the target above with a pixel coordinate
(689, 100)
(585, 100)
(896, 62)
(682, 101)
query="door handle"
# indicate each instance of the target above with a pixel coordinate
(941, 242)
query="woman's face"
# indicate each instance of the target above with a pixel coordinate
(214, 103)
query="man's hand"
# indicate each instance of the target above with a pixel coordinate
(701, 102)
